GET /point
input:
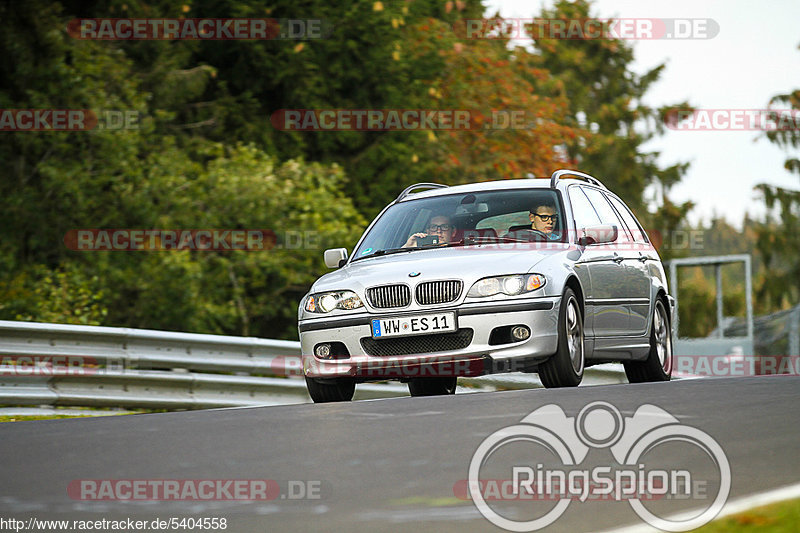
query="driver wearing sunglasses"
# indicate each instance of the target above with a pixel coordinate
(544, 224)
(544, 218)
(440, 227)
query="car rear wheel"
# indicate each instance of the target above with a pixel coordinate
(658, 365)
(331, 390)
(432, 386)
(565, 367)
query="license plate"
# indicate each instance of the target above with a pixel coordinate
(413, 325)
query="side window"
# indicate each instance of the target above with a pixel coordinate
(606, 212)
(583, 211)
(627, 216)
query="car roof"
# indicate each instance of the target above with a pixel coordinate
(483, 186)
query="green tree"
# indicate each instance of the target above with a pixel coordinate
(162, 175)
(380, 55)
(235, 292)
(605, 97)
(778, 237)
(205, 154)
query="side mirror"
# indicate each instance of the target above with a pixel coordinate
(599, 234)
(335, 257)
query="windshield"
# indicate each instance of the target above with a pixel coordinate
(466, 219)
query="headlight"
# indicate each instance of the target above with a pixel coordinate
(513, 285)
(508, 285)
(485, 287)
(325, 302)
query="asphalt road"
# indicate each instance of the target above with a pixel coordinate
(378, 465)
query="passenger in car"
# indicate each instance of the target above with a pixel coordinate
(440, 228)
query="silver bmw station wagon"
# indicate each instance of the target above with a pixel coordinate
(533, 275)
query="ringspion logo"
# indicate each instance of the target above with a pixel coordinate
(556, 477)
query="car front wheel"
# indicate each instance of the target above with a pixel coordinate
(330, 390)
(658, 365)
(565, 367)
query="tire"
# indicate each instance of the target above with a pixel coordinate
(565, 367)
(432, 386)
(658, 365)
(331, 390)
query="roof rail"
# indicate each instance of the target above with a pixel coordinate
(410, 188)
(563, 172)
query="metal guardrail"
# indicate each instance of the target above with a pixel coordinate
(139, 368)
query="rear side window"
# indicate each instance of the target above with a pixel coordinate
(638, 234)
(582, 209)
(606, 212)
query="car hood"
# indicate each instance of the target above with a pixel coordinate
(467, 263)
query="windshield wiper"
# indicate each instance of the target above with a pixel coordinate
(486, 239)
(462, 242)
(389, 251)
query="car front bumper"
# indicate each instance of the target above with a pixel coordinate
(477, 357)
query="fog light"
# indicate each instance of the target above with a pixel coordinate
(323, 351)
(520, 333)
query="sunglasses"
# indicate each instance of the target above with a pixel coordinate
(547, 218)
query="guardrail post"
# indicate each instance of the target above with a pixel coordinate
(794, 331)
(718, 272)
(748, 297)
(673, 287)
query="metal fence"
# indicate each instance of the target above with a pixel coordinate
(716, 344)
(775, 334)
(102, 367)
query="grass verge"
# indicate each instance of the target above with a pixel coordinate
(781, 517)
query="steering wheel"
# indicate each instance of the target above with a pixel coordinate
(530, 235)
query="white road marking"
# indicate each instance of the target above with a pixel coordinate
(732, 507)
